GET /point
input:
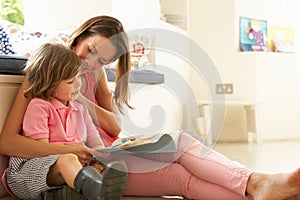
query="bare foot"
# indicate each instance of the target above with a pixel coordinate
(274, 186)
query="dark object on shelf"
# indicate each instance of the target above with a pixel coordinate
(246, 47)
(12, 65)
(139, 76)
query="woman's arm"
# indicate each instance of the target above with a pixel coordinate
(95, 144)
(103, 115)
(111, 122)
(14, 144)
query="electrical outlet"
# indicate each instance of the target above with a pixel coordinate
(224, 88)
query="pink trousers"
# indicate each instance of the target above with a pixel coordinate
(195, 172)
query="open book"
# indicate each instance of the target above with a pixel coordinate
(159, 143)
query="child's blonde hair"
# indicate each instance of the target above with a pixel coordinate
(47, 67)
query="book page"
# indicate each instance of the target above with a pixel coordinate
(153, 144)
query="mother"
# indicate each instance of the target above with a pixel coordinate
(100, 41)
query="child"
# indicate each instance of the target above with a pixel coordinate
(54, 117)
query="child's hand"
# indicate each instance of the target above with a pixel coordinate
(83, 152)
(99, 166)
(99, 155)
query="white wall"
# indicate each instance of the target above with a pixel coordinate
(56, 15)
(61, 14)
(212, 28)
(270, 78)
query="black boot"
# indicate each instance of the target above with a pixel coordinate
(90, 183)
(64, 193)
(114, 181)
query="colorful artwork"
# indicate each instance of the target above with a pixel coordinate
(140, 46)
(253, 34)
(281, 39)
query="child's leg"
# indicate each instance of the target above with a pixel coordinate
(64, 171)
(88, 180)
(90, 183)
(27, 178)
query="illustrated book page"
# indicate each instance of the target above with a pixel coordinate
(159, 143)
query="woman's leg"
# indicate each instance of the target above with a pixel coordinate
(215, 168)
(204, 163)
(147, 177)
(210, 165)
(174, 179)
(207, 166)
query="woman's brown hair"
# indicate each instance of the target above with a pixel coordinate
(49, 65)
(112, 29)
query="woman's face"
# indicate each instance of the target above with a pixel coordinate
(95, 51)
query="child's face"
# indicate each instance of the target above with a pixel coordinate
(94, 52)
(68, 90)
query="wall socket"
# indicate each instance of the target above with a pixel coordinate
(224, 88)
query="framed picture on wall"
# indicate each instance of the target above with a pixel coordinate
(253, 34)
(281, 39)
